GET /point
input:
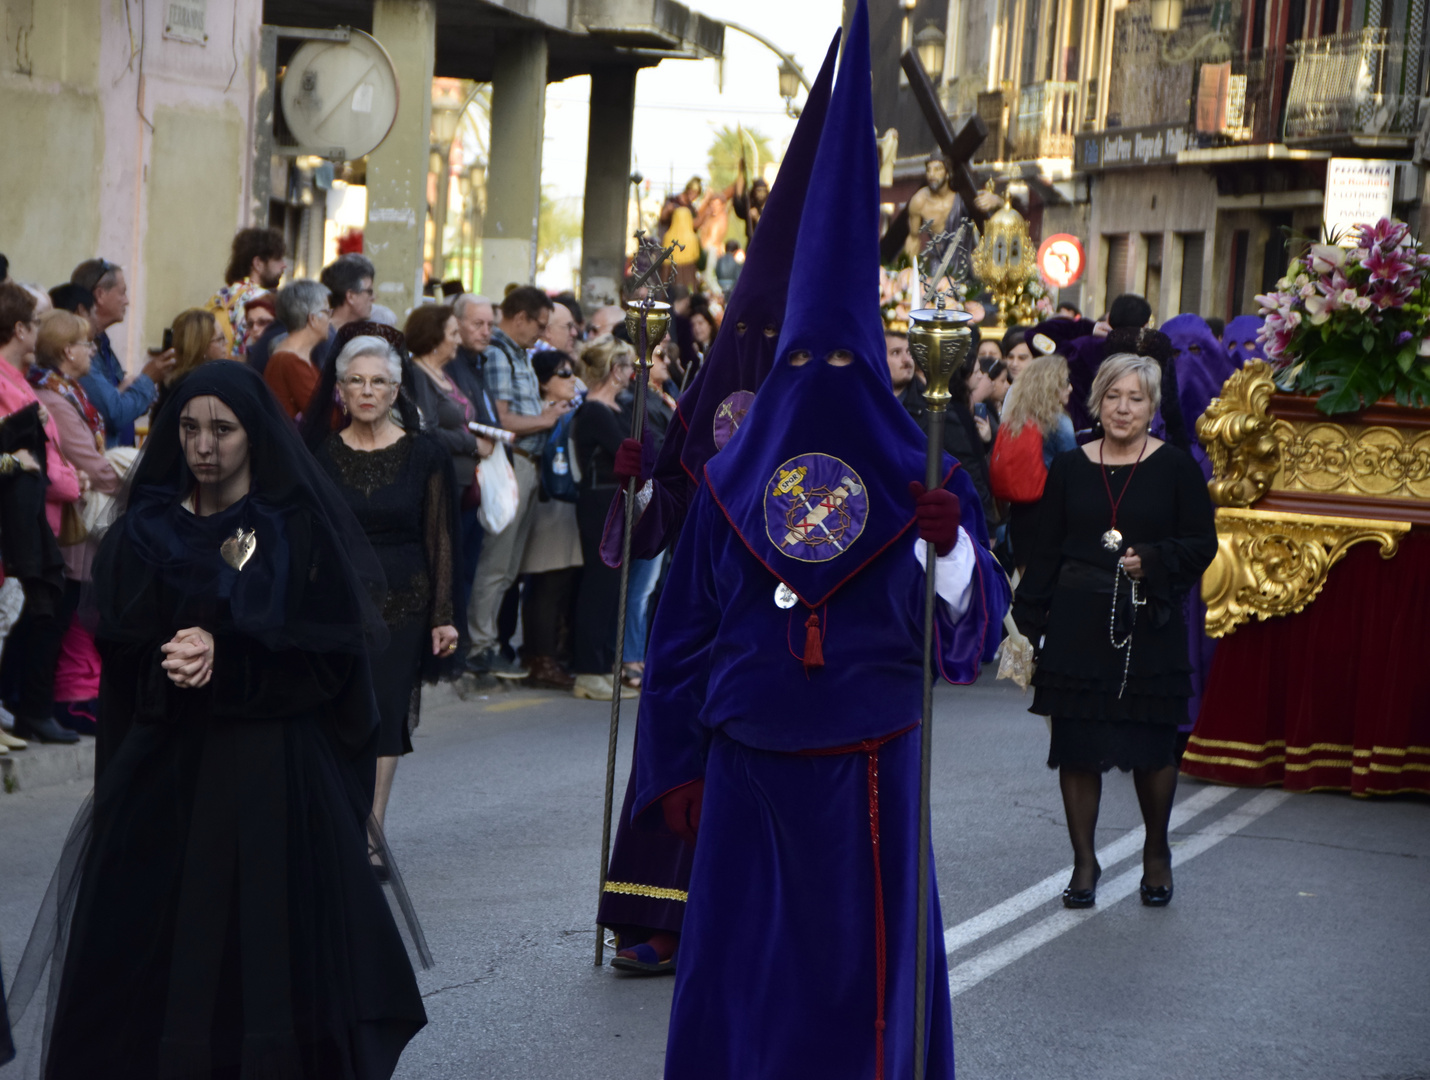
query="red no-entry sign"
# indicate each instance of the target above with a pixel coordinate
(1061, 259)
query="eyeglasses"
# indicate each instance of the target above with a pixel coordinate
(566, 373)
(379, 383)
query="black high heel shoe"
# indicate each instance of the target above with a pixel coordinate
(1082, 898)
(1156, 895)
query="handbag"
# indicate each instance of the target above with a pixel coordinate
(499, 492)
(72, 527)
(1015, 651)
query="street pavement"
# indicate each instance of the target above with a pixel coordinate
(1297, 945)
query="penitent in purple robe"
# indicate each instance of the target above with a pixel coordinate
(786, 673)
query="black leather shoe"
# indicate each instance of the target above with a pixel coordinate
(46, 729)
(1082, 898)
(1156, 895)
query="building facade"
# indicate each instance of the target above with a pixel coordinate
(1184, 142)
(145, 132)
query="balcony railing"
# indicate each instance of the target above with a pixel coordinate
(1047, 121)
(1352, 85)
(1236, 100)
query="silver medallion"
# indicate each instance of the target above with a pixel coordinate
(1112, 540)
(785, 597)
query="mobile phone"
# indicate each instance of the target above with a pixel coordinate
(168, 339)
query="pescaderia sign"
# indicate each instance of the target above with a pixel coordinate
(1128, 148)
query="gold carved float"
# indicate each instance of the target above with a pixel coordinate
(1295, 490)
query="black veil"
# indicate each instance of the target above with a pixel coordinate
(313, 582)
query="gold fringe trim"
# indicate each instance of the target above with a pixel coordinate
(652, 892)
(1240, 763)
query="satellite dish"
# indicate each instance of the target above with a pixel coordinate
(340, 98)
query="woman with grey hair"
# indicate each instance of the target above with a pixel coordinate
(1125, 530)
(398, 483)
(290, 373)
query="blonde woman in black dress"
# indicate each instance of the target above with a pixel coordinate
(1126, 530)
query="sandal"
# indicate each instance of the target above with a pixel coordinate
(631, 675)
(642, 959)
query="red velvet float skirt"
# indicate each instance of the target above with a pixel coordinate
(1334, 698)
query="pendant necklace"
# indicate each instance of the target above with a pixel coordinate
(1112, 538)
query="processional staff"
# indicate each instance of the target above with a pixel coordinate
(939, 339)
(647, 321)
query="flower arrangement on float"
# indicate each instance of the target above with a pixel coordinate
(1348, 324)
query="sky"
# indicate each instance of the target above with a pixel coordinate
(680, 104)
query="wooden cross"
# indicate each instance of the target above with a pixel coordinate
(958, 148)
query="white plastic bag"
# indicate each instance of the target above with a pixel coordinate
(500, 494)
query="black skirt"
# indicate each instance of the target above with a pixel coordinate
(397, 685)
(1103, 745)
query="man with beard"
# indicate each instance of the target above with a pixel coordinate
(937, 206)
(749, 203)
(256, 264)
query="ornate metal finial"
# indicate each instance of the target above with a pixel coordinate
(944, 261)
(653, 268)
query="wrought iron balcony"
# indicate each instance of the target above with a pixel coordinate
(1047, 121)
(1352, 86)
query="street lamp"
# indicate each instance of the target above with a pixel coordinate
(792, 77)
(929, 43)
(1166, 15)
(789, 87)
(450, 98)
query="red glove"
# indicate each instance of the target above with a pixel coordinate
(628, 460)
(938, 514)
(682, 809)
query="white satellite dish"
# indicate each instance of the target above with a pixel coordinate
(340, 98)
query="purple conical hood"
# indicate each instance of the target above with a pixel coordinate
(816, 481)
(744, 350)
(1240, 339)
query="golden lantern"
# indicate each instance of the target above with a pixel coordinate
(1005, 260)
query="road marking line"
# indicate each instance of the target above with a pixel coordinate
(1035, 896)
(972, 972)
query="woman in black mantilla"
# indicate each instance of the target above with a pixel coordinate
(226, 921)
(1126, 531)
(398, 483)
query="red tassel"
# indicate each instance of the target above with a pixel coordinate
(813, 644)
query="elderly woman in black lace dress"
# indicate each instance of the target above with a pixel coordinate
(399, 484)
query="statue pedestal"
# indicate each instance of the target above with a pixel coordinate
(1318, 681)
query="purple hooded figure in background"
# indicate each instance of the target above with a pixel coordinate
(1240, 339)
(1202, 366)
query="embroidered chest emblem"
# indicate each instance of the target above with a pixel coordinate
(815, 507)
(730, 415)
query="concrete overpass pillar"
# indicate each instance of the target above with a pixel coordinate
(514, 172)
(397, 170)
(608, 188)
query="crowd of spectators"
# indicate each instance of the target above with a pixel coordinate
(528, 387)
